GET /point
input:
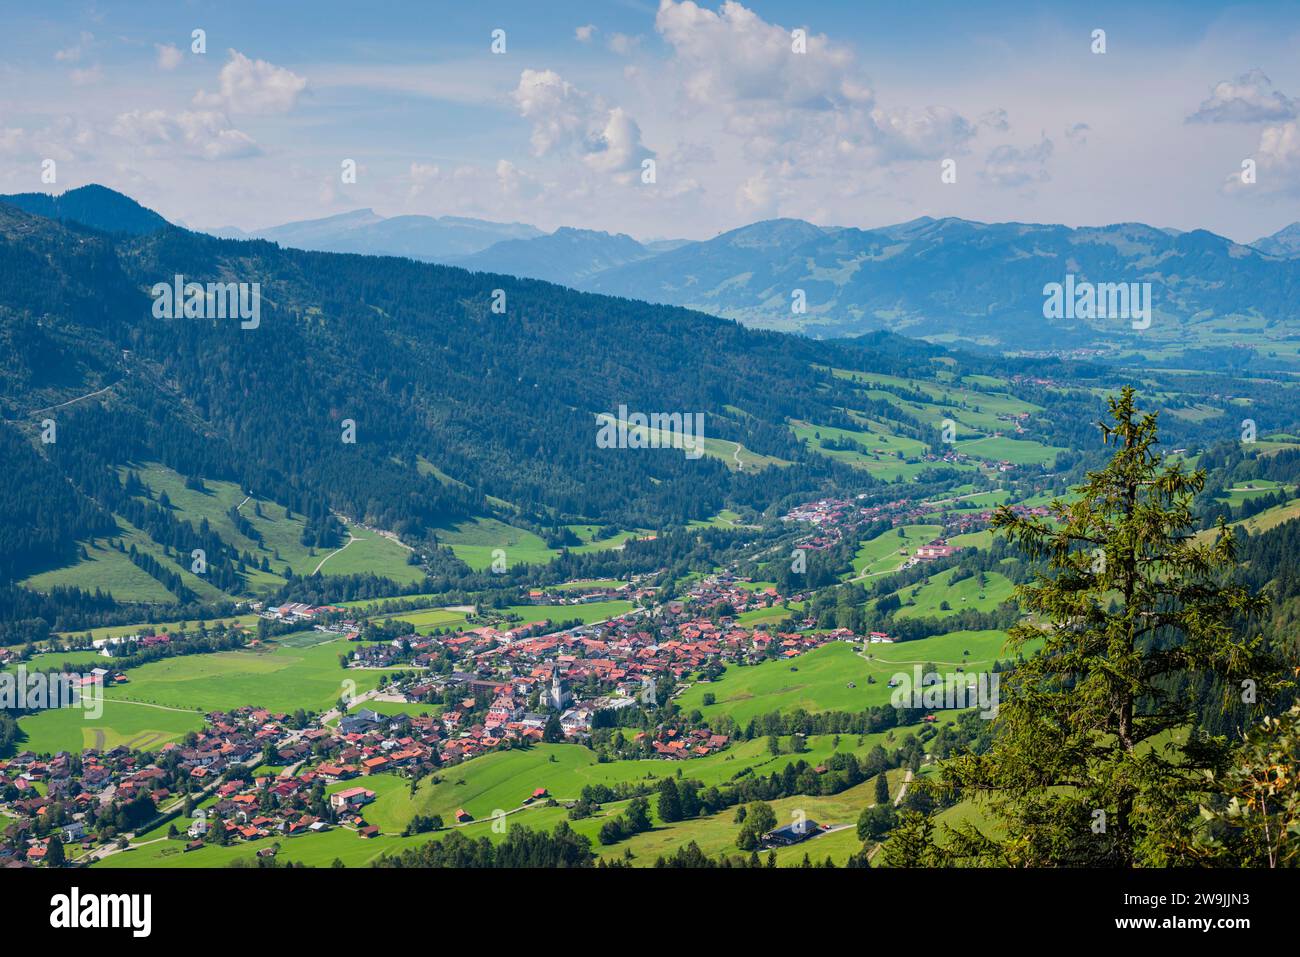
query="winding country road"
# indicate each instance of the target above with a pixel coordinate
(902, 792)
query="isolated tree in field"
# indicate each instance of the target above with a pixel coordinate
(875, 821)
(759, 819)
(1084, 769)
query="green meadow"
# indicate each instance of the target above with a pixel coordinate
(587, 585)
(104, 569)
(834, 676)
(981, 540)
(474, 542)
(923, 600)
(1015, 451)
(735, 455)
(724, 518)
(586, 612)
(885, 452)
(137, 726)
(1247, 490)
(77, 660)
(275, 676)
(885, 552)
(768, 616)
(428, 619)
(278, 541)
(369, 552)
(590, 543)
(165, 699)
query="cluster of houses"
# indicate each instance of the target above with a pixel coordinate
(517, 683)
(939, 548)
(674, 743)
(496, 685)
(295, 611)
(63, 797)
(73, 797)
(113, 647)
(833, 519)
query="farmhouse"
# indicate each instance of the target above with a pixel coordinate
(791, 833)
(936, 549)
(351, 798)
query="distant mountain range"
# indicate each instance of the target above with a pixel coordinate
(427, 238)
(951, 279)
(947, 280)
(567, 256)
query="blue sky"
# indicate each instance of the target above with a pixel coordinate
(555, 131)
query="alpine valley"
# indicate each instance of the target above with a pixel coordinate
(363, 573)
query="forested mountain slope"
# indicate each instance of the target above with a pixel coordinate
(460, 413)
(413, 354)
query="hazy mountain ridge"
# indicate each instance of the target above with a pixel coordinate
(1285, 242)
(427, 238)
(567, 256)
(956, 279)
(946, 279)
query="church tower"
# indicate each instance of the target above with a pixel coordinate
(558, 696)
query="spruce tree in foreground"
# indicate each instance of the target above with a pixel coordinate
(1085, 769)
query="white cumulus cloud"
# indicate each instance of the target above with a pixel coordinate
(253, 86)
(1277, 163)
(74, 53)
(748, 70)
(1250, 98)
(565, 118)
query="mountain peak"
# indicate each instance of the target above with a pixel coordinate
(92, 205)
(566, 256)
(767, 233)
(1285, 242)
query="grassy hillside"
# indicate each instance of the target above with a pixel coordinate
(820, 680)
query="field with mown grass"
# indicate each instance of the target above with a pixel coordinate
(885, 552)
(820, 679)
(136, 726)
(474, 541)
(924, 600)
(277, 676)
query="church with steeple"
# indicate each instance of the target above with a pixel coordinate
(558, 697)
